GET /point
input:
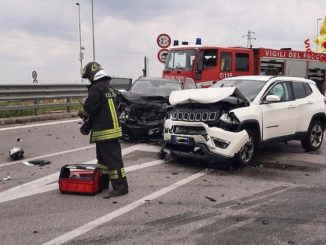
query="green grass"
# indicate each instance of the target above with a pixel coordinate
(30, 112)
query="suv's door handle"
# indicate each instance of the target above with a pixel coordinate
(310, 103)
(291, 106)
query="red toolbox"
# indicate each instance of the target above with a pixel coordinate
(80, 179)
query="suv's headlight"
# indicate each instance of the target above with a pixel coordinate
(229, 117)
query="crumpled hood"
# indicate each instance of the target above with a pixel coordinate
(139, 98)
(204, 95)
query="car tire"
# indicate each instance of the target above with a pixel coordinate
(127, 138)
(246, 154)
(314, 137)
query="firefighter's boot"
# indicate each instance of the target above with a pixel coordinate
(120, 187)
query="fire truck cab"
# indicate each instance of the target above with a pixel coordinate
(208, 64)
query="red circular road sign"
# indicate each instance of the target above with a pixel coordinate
(163, 40)
(161, 55)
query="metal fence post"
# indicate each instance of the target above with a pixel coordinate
(68, 104)
(37, 103)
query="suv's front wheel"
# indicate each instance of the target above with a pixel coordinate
(246, 154)
(315, 136)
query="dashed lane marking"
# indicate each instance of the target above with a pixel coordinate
(121, 211)
(39, 124)
(46, 184)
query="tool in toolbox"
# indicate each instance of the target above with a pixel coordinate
(80, 179)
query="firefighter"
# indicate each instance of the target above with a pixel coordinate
(100, 118)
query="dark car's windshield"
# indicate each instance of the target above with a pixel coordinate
(155, 88)
(249, 88)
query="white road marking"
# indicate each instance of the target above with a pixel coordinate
(132, 148)
(47, 155)
(39, 124)
(46, 184)
(121, 211)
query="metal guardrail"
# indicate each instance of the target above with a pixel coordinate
(37, 93)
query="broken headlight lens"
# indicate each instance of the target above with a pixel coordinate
(124, 115)
(229, 118)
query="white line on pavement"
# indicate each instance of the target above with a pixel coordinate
(46, 184)
(39, 124)
(121, 211)
(47, 155)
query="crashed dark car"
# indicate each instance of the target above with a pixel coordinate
(143, 108)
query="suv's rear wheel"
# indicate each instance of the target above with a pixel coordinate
(246, 154)
(315, 136)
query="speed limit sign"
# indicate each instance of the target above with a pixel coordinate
(163, 40)
(161, 55)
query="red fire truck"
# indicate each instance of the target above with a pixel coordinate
(208, 64)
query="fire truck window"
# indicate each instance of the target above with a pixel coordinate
(226, 61)
(210, 58)
(241, 62)
(299, 91)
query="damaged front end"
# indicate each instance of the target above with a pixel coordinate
(141, 117)
(204, 125)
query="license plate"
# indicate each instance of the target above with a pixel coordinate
(182, 140)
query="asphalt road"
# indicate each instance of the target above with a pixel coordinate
(281, 199)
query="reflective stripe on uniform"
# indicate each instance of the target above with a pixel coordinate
(116, 174)
(118, 134)
(103, 168)
(107, 131)
(107, 134)
(123, 172)
(113, 113)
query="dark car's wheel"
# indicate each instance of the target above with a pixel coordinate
(315, 136)
(246, 154)
(127, 138)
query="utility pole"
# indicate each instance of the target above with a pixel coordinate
(145, 70)
(249, 38)
(93, 32)
(81, 48)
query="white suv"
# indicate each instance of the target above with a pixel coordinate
(237, 115)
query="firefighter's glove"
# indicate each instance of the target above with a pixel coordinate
(85, 129)
(82, 115)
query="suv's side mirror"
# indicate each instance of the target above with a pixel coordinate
(272, 98)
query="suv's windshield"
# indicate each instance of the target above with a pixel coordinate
(249, 88)
(180, 59)
(155, 88)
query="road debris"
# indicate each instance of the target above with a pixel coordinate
(6, 178)
(210, 198)
(264, 222)
(16, 153)
(40, 163)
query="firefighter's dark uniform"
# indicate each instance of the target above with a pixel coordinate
(100, 109)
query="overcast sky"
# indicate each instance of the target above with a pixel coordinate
(42, 35)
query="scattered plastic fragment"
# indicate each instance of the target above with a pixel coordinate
(211, 199)
(28, 164)
(6, 178)
(36, 162)
(16, 153)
